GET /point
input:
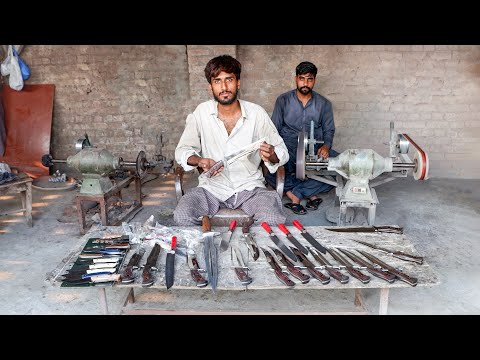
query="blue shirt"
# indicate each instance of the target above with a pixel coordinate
(290, 117)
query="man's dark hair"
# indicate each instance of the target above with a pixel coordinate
(221, 63)
(306, 67)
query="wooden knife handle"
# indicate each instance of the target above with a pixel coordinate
(284, 278)
(242, 276)
(304, 278)
(385, 275)
(206, 225)
(365, 279)
(337, 275)
(318, 275)
(198, 278)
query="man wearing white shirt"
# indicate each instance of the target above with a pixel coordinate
(217, 128)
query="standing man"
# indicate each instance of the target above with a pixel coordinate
(217, 128)
(293, 113)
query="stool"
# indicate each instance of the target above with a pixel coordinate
(23, 186)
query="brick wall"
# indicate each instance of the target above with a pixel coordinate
(125, 96)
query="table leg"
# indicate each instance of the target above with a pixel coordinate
(103, 300)
(383, 301)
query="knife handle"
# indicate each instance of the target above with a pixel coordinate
(284, 278)
(318, 275)
(284, 229)
(365, 279)
(127, 275)
(266, 227)
(298, 225)
(242, 276)
(304, 278)
(403, 256)
(404, 277)
(174, 242)
(198, 278)
(337, 275)
(245, 229)
(206, 225)
(385, 275)
(233, 223)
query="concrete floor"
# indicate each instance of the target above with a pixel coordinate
(440, 216)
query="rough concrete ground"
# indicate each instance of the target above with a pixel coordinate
(440, 216)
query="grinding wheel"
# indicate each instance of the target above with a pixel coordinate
(300, 163)
(420, 172)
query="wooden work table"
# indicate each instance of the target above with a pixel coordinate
(260, 270)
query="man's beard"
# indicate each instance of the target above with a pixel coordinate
(228, 101)
(304, 90)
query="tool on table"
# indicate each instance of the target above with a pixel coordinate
(279, 243)
(375, 271)
(230, 159)
(93, 279)
(400, 274)
(210, 253)
(250, 241)
(292, 239)
(150, 265)
(391, 229)
(127, 275)
(241, 270)
(365, 279)
(195, 269)
(336, 274)
(310, 267)
(304, 278)
(226, 239)
(277, 269)
(309, 237)
(170, 264)
(398, 254)
(93, 266)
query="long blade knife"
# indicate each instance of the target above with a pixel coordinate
(401, 275)
(277, 269)
(309, 237)
(170, 264)
(311, 268)
(374, 229)
(279, 244)
(150, 265)
(226, 239)
(336, 274)
(365, 279)
(398, 254)
(385, 275)
(304, 278)
(292, 239)
(210, 253)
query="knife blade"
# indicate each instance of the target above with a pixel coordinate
(170, 264)
(398, 254)
(385, 275)
(309, 237)
(365, 279)
(279, 243)
(151, 265)
(311, 268)
(226, 239)
(292, 239)
(377, 229)
(400, 274)
(250, 241)
(304, 278)
(210, 253)
(336, 274)
(277, 269)
(195, 269)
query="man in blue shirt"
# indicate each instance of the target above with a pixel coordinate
(293, 112)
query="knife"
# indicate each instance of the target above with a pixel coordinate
(292, 239)
(277, 269)
(309, 237)
(250, 241)
(365, 279)
(210, 253)
(150, 265)
(401, 275)
(398, 254)
(279, 244)
(241, 270)
(336, 274)
(375, 271)
(226, 239)
(127, 275)
(195, 269)
(304, 278)
(311, 268)
(378, 229)
(170, 264)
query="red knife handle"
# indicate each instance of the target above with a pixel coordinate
(284, 229)
(298, 225)
(318, 275)
(266, 227)
(232, 225)
(174, 242)
(304, 278)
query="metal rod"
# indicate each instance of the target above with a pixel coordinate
(404, 165)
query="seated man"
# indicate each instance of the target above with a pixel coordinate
(293, 112)
(217, 128)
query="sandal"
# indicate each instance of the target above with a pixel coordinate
(296, 208)
(313, 204)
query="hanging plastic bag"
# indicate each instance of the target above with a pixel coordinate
(5, 66)
(15, 80)
(23, 66)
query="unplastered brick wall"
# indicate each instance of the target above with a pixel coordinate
(124, 96)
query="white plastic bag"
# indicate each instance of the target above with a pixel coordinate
(16, 79)
(5, 66)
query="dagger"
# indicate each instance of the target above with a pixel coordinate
(365, 279)
(311, 268)
(309, 237)
(304, 278)
(401, 275)
(170, 264)
(385, 275)
(398, 254)
(277, 269)
(292, 239)
(279, 244)
(195, 269)
(336, 274)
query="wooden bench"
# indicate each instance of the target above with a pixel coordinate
(23, 186)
